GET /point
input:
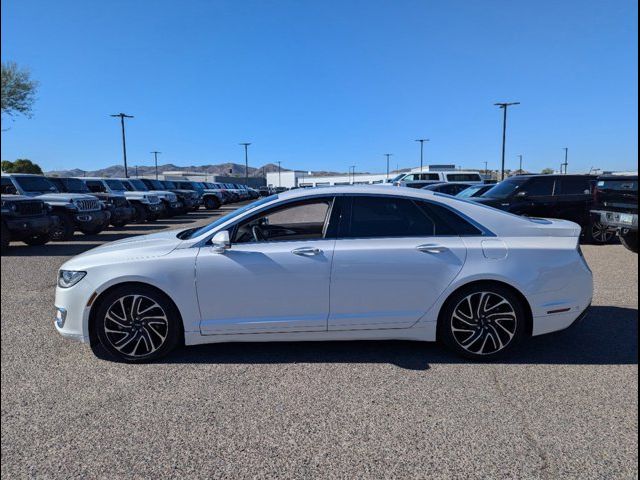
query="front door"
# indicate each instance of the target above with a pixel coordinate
(393, 259)
(274, 278)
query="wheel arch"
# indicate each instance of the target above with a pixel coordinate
(93, 339)
(523, 300)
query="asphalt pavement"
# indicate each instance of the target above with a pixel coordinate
(564, 406)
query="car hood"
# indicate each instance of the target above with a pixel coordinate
(131, 248)
(62, 197)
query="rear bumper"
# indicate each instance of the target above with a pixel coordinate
(25, 227)
(617, 220)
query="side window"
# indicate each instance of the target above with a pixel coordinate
(409, 178)
(95, 186)
(387, 217)
(7, 187)
(448, 222)
(539, 186)
(575, 186)
(300, 221)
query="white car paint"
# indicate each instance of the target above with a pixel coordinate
(353, 289)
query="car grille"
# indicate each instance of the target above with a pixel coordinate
(29, 208)
(153, 199)
(88, 205)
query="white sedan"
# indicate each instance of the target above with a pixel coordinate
(343, 263)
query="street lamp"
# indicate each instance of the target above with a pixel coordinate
(566, 160)
(388, 155)
(155, 155)
(504, 106)
(124, 143)
(246, 162)
(421, 140)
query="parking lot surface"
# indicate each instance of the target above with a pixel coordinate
(564, 405)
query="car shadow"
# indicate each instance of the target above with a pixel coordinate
(607, 336)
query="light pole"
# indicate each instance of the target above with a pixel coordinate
(504, 106)
(566, 160)
(279, 180)
(124, 143)
(388, 155)
(422, 140)
(246, 162)
(520, 170)
(353, 167)
(155, 155)
(486, 168)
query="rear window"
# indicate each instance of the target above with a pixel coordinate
(620, 185)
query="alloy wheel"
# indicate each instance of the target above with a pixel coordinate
(600, 234)
(136, 325)
(484, 323)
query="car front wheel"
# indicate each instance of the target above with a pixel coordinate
(137, 324)
(482, 322)
(630, 241)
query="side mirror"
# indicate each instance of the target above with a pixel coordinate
(521, 195)
(221, 242)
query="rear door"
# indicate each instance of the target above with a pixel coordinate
(393, 258)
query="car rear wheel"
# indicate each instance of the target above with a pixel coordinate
(37, 239)
(93, 230)
(211, 203)
(64, 229)
(6, 237)
(137, 324)
(630, 241)
(596, 233)
(140, 214)
(118, 223)
(482, 322)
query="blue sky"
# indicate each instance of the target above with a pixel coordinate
(325, 85)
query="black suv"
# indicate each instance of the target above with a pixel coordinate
(569, 197)
(615, 205)
(26, 219)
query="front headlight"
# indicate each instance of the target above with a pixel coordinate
(68, 278)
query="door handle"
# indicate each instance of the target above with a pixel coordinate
(431, 248)
(306, 251)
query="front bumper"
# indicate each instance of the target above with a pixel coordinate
(85, 220)
(26, 227)
(72, 304)
(122, 214)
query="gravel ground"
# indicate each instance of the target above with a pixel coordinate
(565, 405)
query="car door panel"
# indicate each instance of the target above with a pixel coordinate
(265, 287)
(390, 282)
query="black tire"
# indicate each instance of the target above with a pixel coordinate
(118, 224)
(211, 202)
(141, 215)
(38, 239)
(597, 234)
(476, 324)
(630, 241)
(93, 230)
(6, 237)
(129, 338)
(64, 229)
(152, 217)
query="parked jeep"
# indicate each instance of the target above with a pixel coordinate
(119, 208)
(148, 207)
(171, 205)
(75, 211)
(616, 207)
(210, 198)
(188, 198)
(26, 219)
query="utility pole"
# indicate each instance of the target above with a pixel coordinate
(353, 167)
(124, 143)
(520, 170)
(422, 140)
(246, 162)
(279, 180)
(566, 160)
(155, 155)
(388, 155)
(504, 106)
(486, 168)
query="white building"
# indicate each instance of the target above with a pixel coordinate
(300, 179)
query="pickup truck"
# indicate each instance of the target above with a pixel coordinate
(25, 219)
(75, 211)
(615, 205)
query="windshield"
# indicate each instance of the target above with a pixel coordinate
(116, 185)
(505, 189)
(398, 177)
(468, 192)
(36, 184)
(72, 185)
(169, 185)
(157, 184)
(138, 185)
(207, 228)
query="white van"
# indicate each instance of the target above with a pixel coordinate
(421, 179)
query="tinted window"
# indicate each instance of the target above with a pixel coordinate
(73, 185)
(448, 222)
(95, 186)
(539, 186)
(506, 188)
(35, 184)
(7, 186)
(464, 177)
(388, 217)
(301, 221)
(116, 185)
(575, 186)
